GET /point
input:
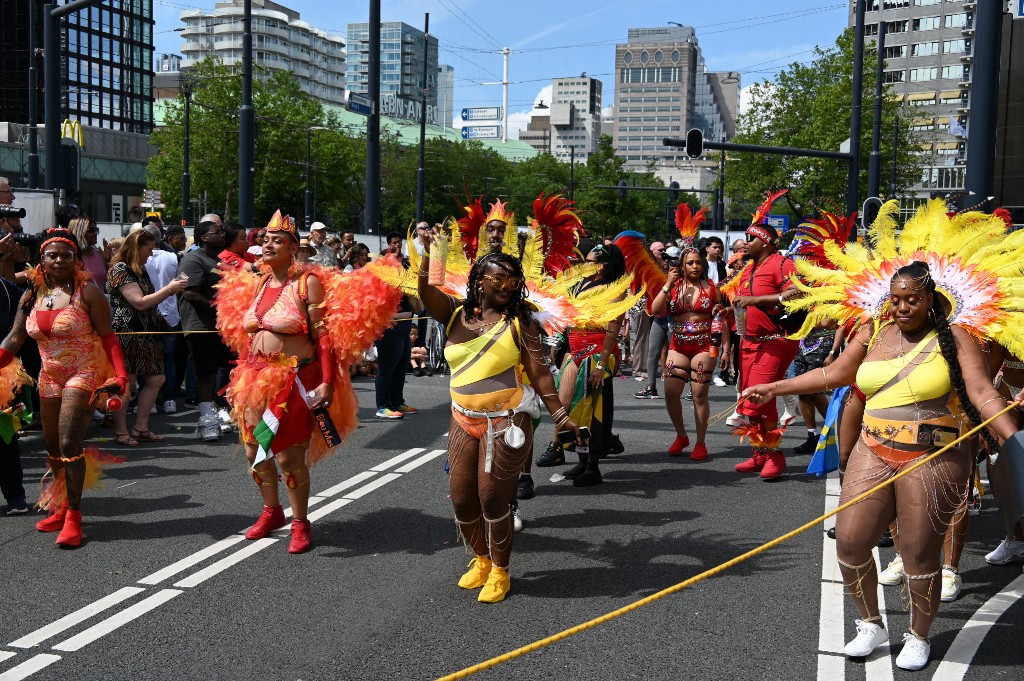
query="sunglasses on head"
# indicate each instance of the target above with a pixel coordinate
(503, 283)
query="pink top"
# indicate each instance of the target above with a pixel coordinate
(284, 316)
(97, 268)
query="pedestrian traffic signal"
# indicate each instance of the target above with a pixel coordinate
(869, 211)
(694, 143)
(673, 191)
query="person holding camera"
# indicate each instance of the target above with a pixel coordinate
(81, 359)
(13, 256)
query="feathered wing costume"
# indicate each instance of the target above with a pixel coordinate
(977, 267)
(358, 307)
(550, 278)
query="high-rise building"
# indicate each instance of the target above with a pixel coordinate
(928, 46)
(572, 126)
(106, 70)
(662, 89)
(167, 63)
(446, 94)
(281, 41)
(401, 69)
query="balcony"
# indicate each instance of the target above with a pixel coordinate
(968, 28)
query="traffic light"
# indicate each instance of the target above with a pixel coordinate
(673, 191)
(694, 143)
(621, 191)
(869, 211)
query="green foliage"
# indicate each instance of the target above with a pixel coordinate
(808, 106)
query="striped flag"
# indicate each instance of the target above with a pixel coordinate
(826, 455)
(285, 422)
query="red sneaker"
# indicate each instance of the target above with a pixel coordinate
(271, 519)
(774, 465)
(302, 540)
(752, 465)
(71, 534)
(53, 522)
(699, 453)
(679, 444)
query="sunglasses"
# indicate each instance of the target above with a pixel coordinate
(504, 283)
(749, 237)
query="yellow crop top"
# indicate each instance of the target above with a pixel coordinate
(486, 371)
(929, 379)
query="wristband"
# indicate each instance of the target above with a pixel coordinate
(6, 357)
(327, 363)
(665, 290)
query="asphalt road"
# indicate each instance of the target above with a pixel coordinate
(165, 588)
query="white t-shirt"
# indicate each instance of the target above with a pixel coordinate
(162, 267)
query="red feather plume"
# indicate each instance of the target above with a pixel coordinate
(639, 261)
(560, 228)
(688, 223)
(469, 227)
(762, 210)
(812, 235)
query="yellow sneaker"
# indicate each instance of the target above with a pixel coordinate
(497, 586)
(479, 568)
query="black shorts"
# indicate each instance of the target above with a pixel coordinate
(814, 350)
(208, 353)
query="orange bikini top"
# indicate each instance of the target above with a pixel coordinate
(277, 309)
(66, 322)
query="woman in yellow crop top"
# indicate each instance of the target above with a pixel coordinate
(493, 340)
(918, 377)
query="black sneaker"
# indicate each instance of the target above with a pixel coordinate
(885, 541)
(809, 445)
(554, 455)
(615, 445)
(525, 489)
(17, 507)
(647, 393)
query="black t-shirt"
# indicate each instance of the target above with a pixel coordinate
(201, 269)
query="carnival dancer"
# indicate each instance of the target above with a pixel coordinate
(929, 294)
(69, 318)
(493, 347)
(765, 351)
(295, 330)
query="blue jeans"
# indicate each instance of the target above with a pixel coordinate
(393, 350)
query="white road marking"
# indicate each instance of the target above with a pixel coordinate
(416, 463)
(831, 627)
(80, 615)
(345, 484)
(965, 646)
(376, 484)
(313, 501)
(878, 667)
(117, 621)
(395, 460)
(831, 667)
(188, 561)
(226, 562)
(831, 632)
(29, 667)
(327, 509)
(5, 655)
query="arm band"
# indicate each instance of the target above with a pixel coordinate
(112, 347)
(6, 357)
(328, 367)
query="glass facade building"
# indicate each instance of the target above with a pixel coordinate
(401, 61)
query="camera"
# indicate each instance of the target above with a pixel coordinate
(11, 212)
(670, 261)
(29, 241)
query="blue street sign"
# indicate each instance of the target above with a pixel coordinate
(779, 222)
(481, 132)
(360, 104)
(481, 113)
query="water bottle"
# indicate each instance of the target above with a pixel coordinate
(209, 423)
(717, 325)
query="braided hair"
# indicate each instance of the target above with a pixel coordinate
(947, 343)
(517, 306)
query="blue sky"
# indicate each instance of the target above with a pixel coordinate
(553, 39)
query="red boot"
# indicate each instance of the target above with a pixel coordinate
(71, 535)
(271, 519)
(55, 521)
(679, 444)
(774, 465)
(302, 540)
(752, 465)
(699, 453)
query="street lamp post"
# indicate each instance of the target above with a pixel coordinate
(186, 176)
(572, 170)
(309, 166)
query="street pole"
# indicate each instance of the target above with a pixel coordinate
(981, 156)
(421, 172)
(721, 192)
(309, 189)
(895, 147)
(186, 177)
(33, 114)
(371, 213)
(51, 93)
(572, 170)
(853, 184)
(875, 159)
(504, 97)
(246, 126)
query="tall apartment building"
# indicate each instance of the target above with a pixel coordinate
(107, 65)
(663, 88)
(281, 41)
(928, 46)
(401, 62)
(446, 94)
(571, 128)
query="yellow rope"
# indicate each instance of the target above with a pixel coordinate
(537, 645)
(185, 333)
(724, 413)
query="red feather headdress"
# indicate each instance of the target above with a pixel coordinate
(689, 223)
(762, 211)
(811, 237)
(469, 227)
(560, 228)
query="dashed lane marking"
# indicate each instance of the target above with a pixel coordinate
(188, 561)
(345, 484)
(80, 615)
(29, 667)
(416, 463)
(376, 484)
(224, 563)
(104, 627)
(395, 460)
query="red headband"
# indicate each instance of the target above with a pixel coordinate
(761, 233)
(61, 239)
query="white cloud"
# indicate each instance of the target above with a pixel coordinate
(746, 95)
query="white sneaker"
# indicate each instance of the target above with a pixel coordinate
(786, 418)
(951, 582)
(893, 574)
(226, 424)
(517, 519)
(869, 637)
(736, 420)
(717, 380)
(1007, 551)
(915, 653)
(152, 410)
(170, 407)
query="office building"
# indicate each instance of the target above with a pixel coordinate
(662, 89)
(281, 41)
(401, 69)
(570, 126)
(928, 46)
(446, 94)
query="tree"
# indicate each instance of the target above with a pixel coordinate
(808, 106)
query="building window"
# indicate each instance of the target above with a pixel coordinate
(627, 57)
(893, 76)
(924, 49)
(895, 52)
(953, 72)
(923, 74)
(956, 20)
(954, 46)
(927, 23)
